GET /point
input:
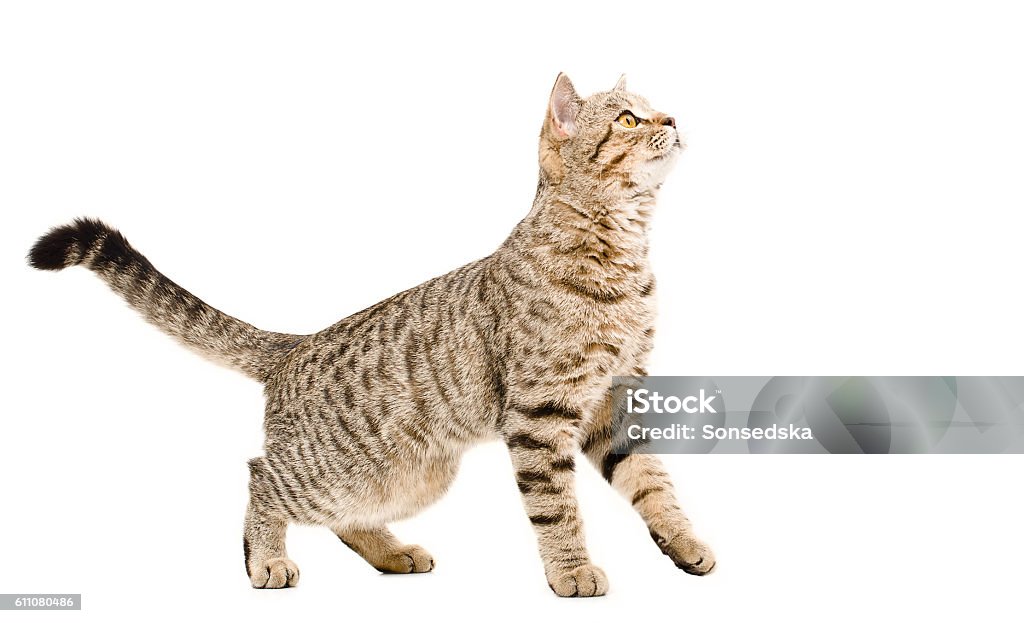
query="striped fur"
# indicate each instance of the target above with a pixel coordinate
(167, 305)
(366, 420)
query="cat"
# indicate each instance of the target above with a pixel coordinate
(366, 420)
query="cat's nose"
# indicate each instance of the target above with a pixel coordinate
(669, 121)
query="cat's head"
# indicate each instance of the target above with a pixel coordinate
(613, 141)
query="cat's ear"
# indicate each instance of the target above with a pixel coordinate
(621, 84)
(565, 104)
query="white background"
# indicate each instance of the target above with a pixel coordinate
(850, 203)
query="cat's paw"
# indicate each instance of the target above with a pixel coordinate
(275, 573)
(690, 554)
(583, 581)
(407, 559)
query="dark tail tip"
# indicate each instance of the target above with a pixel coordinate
(67, 245)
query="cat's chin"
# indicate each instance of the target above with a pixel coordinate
(656, 169)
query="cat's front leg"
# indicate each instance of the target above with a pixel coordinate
(642, 479)
(541, 440)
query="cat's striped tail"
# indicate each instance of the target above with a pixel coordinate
(162, 302)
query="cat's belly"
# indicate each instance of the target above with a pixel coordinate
(414, 487)
(358, 494)
(407, 489)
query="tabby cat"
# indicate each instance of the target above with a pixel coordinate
(366, 420)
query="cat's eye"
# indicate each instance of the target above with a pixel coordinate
(627, 120)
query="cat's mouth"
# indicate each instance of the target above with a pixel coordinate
(674, 148)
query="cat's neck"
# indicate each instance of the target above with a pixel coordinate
(592, 215)
(588, 235)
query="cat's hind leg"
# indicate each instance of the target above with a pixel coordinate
(263, 542)
(384, 552)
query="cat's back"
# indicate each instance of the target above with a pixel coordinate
(421, 353)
